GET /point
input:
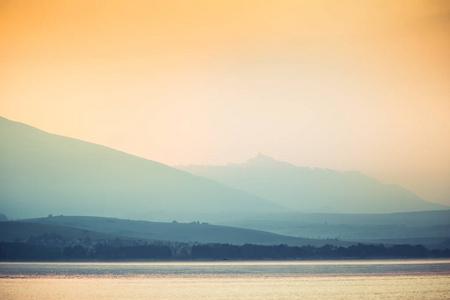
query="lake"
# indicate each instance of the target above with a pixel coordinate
(371, 279)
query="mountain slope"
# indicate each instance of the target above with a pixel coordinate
(313, 190)
(42, 173)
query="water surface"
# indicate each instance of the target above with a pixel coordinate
(390, 279)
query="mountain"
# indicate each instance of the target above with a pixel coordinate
(42, 173)
(313, 190)
(177, 232)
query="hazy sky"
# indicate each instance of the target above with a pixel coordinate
(346, 85)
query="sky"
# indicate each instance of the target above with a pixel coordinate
(345, 85)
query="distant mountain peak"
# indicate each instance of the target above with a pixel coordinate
(261, 159)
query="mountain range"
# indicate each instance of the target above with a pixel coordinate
(313, 190)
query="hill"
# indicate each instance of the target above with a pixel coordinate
(42, 173)
(179, 232)
(313, 190)
(13, 231)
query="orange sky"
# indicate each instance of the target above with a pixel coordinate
(347, 85)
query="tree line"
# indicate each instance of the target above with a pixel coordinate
(32, 252)
(15, 251)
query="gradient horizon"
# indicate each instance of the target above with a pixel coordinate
(345, 85)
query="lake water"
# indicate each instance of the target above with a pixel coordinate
(389, 279)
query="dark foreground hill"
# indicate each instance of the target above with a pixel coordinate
(72, 244)
(179, 232)
(42, 173)
(314, 190)
(46, 240)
